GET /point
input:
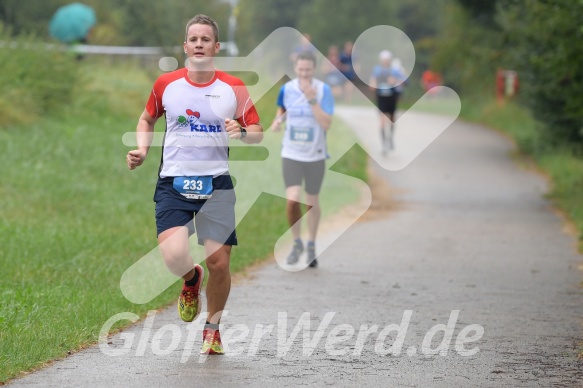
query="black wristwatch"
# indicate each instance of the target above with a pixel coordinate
(243, 132)
(312, 101)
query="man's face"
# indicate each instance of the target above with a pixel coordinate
(304, 69)
(386, 62)
(200, 45)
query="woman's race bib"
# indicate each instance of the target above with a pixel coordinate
(301, 134)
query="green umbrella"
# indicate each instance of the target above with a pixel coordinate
(72, 22)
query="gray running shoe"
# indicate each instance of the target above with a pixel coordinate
(312, 261)
(296, 252)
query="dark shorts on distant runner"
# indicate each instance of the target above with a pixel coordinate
(294, 173)
(388, 104)
(212, 218)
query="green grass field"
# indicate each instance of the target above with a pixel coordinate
(74, 218)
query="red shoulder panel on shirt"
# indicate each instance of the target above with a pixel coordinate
(154, 104)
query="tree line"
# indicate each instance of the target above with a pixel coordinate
(466, 40)
(540, 39)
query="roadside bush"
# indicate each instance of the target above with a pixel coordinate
(35, 80)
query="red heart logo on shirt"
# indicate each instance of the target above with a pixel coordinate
(192, 113)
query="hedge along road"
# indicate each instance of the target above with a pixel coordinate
(461, 274)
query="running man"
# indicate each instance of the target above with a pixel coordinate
(349, 67)
(203, 108)
(385, 82)
(306, 105)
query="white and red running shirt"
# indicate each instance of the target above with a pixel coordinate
(195, 142)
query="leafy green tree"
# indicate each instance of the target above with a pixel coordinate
(162, 23)
(28, 16)
(259, 18)
(467, 52)
(481, 11)
(336, 21)
(119, 22)
(421, 20)
(545, 39)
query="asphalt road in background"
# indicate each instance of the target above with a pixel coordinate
(464, 248)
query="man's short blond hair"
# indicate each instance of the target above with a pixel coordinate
(203, 19)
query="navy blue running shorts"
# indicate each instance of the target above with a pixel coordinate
(212, 218)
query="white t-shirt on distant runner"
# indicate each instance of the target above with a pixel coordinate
(304, 139)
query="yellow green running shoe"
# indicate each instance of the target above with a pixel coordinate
(211, 342)
(189, 299)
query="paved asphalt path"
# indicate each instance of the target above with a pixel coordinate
(469, 246)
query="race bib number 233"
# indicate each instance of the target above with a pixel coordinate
(194, 187)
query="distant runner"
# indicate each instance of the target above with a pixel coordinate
(306, 105)
(386, 82)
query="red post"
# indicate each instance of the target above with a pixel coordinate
(500, 86)
(506, 84)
